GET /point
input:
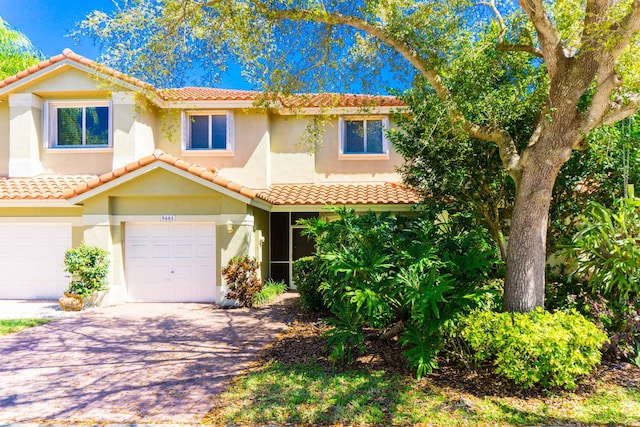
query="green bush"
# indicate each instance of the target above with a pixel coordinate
(606, 249)
(407, 277)
(606, 277)
(551, 349)
(308, 274)
(270, 290)
(88, 267)
(241, 277)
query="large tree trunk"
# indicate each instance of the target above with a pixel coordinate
(526, 248)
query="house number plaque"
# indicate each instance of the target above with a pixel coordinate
(168, 218)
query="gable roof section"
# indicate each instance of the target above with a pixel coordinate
(68, 57)
(194, 94)
(209, 175)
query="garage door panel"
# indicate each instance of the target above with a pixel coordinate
(206, 251)
(32, 260)
(184, 250)
(180, 266)
(161, 251)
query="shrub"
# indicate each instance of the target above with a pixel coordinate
(606, 279)
(406, 277)
(606, 249)
(308, 274)
(535, 348)
(241, 277)
(269, 291)
(88, 267)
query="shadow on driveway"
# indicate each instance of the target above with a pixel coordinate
(142, 363)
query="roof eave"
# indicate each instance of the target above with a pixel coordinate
(379, 207)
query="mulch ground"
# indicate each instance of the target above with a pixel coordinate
(303, 342)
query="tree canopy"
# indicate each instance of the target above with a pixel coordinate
(586, 53)
(16, 51)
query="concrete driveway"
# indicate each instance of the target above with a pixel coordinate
(133, 363)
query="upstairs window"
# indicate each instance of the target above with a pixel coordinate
(363, 136)
(78, 124)
(208, 131)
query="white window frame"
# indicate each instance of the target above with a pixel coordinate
(186, 133)
(50, 125)
(363, 156)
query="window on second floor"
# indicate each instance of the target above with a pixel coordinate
(78, 124)
(363, 136)
(211, 131)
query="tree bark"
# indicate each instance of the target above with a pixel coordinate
(526, 249)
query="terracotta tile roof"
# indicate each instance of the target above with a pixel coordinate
(159, 155)
(213, 94)
(43, 187)
(318, 100)
(339, 194)
(51, 187)
(207, 94)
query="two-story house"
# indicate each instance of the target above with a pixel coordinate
(173, 183)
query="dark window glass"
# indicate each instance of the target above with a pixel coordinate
(354, 136)
(302, 246)
(279, 236)
(280, 272)
(219, 132)
(295, 216)
(199, 132)
(69, 126)
(374, 136)
(97, 122)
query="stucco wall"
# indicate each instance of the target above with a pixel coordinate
(149, 197)
(247, 165)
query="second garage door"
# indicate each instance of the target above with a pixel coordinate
(170, 262)
(32, 260)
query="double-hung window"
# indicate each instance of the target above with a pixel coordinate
(212, 131)
(78, 124)
(363, 136)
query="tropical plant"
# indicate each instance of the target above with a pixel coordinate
(241, 276)
(605, 261)
(88, 267)
(404, 277)
(270, 290)
(606, 251)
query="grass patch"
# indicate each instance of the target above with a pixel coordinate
(270, 290)
(13, 325)
(312, 394)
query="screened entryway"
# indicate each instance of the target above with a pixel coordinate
(288, 244)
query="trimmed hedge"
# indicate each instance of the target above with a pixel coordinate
(551, 349)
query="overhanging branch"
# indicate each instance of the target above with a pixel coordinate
(550, 41)
(508, 151)
(504, 45)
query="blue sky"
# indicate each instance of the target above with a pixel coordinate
(48, 22)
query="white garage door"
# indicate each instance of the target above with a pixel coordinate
(170, 262)
(32, 260)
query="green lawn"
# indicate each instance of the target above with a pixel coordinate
(13, 325)
(309, 394)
